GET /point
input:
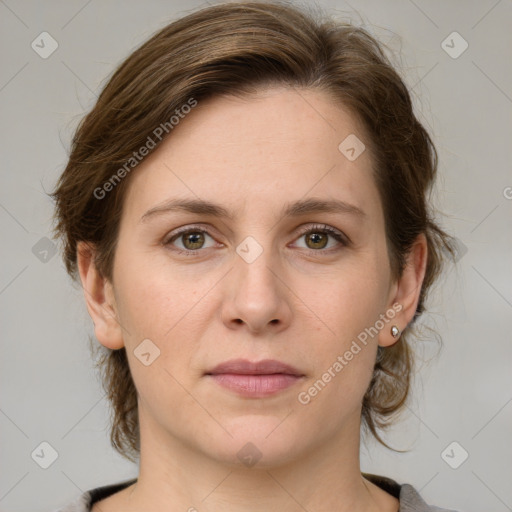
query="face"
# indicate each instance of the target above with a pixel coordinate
(248, 235)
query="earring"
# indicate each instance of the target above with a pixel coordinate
(395, 331)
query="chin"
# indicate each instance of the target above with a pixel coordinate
(258, 442)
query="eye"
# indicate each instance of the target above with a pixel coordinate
(317, 238)
(191, 239)
(321, 237)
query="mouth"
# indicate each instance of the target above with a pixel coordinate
(255, 379)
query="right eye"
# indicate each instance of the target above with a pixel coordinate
(190, 240)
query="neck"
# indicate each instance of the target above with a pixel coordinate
(174, 476)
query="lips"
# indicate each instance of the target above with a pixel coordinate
(245, 367)
(255, 379)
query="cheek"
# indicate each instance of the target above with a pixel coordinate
(159, 318)
(171, 310)
(152, 296)
(347, 300)
(343, 342)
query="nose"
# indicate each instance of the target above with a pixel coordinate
(256, 297)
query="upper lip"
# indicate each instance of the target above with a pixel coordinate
(245, 367)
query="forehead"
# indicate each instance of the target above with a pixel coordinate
(256, 151)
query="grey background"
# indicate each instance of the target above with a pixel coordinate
(49, 390)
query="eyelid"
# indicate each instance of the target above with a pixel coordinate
(338, 235)
(204, 228)
(308, 228)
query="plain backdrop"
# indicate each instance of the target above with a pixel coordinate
(49, 390)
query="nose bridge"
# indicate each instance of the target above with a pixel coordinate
(252, 267)
(256, 298)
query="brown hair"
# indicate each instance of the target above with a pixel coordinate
(235, 48)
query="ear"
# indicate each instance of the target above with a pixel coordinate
(405, 292)
(99, 297)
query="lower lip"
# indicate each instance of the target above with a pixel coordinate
(255, 386)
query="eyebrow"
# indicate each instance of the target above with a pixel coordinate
(295, 209)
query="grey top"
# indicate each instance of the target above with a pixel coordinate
(410, 500)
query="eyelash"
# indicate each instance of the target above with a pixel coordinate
(317, 228)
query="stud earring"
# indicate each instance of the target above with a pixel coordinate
(395, 331)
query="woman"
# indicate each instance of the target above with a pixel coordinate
(245, 207)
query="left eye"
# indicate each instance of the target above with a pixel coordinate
(317, 239)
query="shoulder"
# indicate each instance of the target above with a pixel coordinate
(409, 498)
(81, 504)
(411, 501)
(87, 499)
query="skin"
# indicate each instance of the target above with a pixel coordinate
(296, 303)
